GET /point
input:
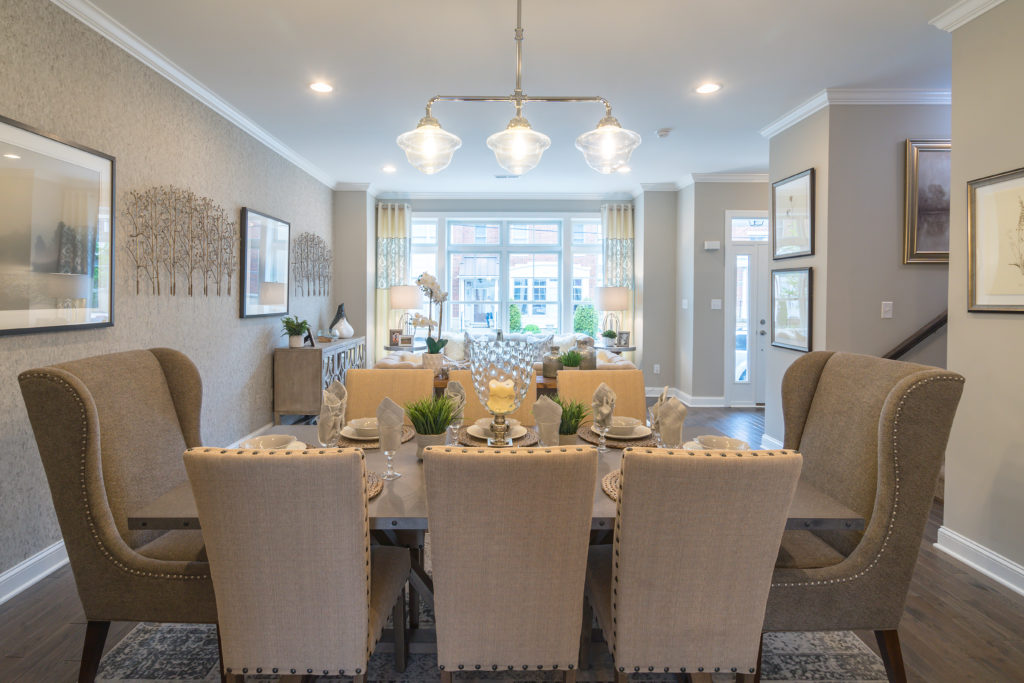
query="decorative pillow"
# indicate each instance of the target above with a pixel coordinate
(455, 349)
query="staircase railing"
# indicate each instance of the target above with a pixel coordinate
(913, 340)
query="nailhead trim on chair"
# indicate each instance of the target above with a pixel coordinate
(896, 492)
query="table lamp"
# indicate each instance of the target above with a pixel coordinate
(610, 300)
(404, 297)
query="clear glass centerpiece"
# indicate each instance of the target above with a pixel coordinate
(502, 371)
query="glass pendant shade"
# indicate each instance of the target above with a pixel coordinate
(608, 146)
(429, 147)
(518, 148)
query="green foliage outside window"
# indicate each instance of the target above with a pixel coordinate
(515, 318)
(585, 320)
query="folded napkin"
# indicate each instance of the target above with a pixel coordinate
(671, 416)
(389, 421)
(457, 395)
(655, 424)
(548, 415)
(603, 405)
(332, 414)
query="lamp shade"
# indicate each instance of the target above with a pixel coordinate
(518, 148)
(611, 298)
(429, 147)
(404, 297)
(607, 147)
(273, 294)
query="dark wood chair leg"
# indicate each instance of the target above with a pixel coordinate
(586, 633)
(446, 677)
(756, 676)
(92, 650)
(892, 655)
(400, 634)
(569, 676)
(361, 678)
(621, 677)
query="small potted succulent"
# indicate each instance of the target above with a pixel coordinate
(609, 337)
(573, 414)
(571, 360)
(430, 418)
(295, 329)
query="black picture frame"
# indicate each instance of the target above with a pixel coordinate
(782, 337)
(794, 214)
(258, 296)
(71, 267)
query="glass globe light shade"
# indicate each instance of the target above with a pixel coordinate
(429, 147)
(608, 146)
(518, 148)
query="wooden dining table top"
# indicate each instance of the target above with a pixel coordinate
(402, 505)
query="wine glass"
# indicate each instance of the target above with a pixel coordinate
(602, 443)
(653, 424)
(390, 440)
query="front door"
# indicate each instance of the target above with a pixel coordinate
(747, 272)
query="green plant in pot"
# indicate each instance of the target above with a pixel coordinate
(295, 329)
(571, 360)
(573, 414)
(609, 337)
(431, 418)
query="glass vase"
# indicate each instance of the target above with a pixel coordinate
(508, 364)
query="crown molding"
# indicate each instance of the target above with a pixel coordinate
(729, 177)
(537, 196)
(108, 27)
(660, 187)
(831, 96)
(961, 13)
(353, 187)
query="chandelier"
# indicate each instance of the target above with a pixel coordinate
(518, 147)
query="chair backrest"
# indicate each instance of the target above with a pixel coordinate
(288, 540)
(368, 387)
(509, 531)
(695, 544)
(628, 385)
(475, 408)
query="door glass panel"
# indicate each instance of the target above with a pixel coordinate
(749, 229)
(742, 322)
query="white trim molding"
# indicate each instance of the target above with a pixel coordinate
(832, 96)
(691, 401)
(980, 558)
(108, 27)
(28, 572)
(660, 187)
(729, 177)
(961, 13)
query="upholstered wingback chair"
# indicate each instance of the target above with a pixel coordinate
(111, 430)
(873, 435)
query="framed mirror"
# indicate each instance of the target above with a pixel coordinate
(56, 233)
(265, 252)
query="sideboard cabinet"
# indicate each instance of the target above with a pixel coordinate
(301, 374)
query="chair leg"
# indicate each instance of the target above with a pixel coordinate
(756, 676)
(569, 676)
(621, 677)
(892, 656)
(586, 633)
(446, 677)
(361, 678)
(700, 678)
(398, 628)
(92, 650)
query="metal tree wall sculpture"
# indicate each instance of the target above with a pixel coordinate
(311, 265)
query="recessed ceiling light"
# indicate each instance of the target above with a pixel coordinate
(320, 86)
(624, 169)
(708, 88)
(388, 168)
(11, 156)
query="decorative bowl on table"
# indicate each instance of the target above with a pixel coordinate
(274, 442)
(714, 442)
(623, 426)
(502, 371)
(365, 426)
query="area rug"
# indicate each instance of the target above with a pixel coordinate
(154, 653)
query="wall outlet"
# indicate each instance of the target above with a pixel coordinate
(657, 368)
(686, 304)
(886, 309)
(716, 304)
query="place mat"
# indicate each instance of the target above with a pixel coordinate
(611, 483)
(527, 439)
(374, 485)
(588, 435)
(344, 442)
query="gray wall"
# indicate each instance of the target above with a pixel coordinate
(656, 227)
(61, 77)
(355, 260)
(984, 467)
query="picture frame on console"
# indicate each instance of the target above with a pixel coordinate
(995, 243)
(394, 337)
(926, 215)
(265, 265)
(57, 233)
(793, 216)
(405, 340)
(792, 308)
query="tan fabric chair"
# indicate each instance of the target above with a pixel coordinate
(684, 587)
(367, 388)
(299, 588)
(475, 409)
(509, 531)
(873, 434)
(628, 385)
(110, 431)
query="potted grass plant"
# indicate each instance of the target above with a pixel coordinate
(430, 418)
(573, 414)
(295, 329)
(609, 337)
(571, 360)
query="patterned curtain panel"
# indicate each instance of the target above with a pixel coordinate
(393, 234)
(617, 226)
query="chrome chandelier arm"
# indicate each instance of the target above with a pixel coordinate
(519, 100)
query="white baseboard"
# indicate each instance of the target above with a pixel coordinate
(26, 573)
(690, 401)
(250, 436)
(980, 558)
(770, 442)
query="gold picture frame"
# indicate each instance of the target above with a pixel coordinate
(926, 206)
(995, 243)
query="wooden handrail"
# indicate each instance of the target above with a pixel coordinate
(913, 340)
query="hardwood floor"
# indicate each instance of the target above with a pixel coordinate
(958, 625)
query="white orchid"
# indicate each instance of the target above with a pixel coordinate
(429, 285)
(420, 320)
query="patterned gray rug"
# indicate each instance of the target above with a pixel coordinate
(154, 653)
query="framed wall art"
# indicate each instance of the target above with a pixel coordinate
(926, 217)
(793, 216)
(265, 253)
(792, 307)
(56, 233)
(995, 241)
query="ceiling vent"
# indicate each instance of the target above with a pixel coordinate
(506, 176)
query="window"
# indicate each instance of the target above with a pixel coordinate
(749, 229)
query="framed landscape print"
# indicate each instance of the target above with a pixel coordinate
(793, 216)
(265, 267)
(791, 308)
(926, 217)
(56, 233)
(995, 241)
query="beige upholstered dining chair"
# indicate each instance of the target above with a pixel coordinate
(509, 532)
(628, 385)
(110, 431)
(475, 409)
(683, 588)
(299, 588)
(367, 388)
(873, 435)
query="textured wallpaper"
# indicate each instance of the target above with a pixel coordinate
(59, 76)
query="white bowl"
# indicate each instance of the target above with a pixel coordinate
(274, 442)
(485, 423)
(622, 425)
(364, 426)
(725, 443)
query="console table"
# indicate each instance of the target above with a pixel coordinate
(301, 374)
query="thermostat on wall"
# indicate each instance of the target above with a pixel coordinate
(712, 245)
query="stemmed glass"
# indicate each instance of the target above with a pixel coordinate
(389, 442)
(602, 443)
(453, 431)
(653, 424)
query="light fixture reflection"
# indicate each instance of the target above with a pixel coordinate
(321, 86)
(607, 147)
(518, 148)
(708, 88)
(429, 147)
(11, 156)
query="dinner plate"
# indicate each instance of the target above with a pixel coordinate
(350, 433)
(639, 432)
(513, 432)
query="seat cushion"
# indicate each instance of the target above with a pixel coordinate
(804, 550)
(389, 570)
(599, 589)
(179, 546)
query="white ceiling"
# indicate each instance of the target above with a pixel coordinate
(386, 58)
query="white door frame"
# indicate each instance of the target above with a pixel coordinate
(753, 393)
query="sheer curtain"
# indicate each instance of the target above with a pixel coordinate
(393, 235)
(617, 228)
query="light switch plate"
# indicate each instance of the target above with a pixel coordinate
(716, 304)
(712, 245)
(886, 309)
(686, 304)
(657, 368)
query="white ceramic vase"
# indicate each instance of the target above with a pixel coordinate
(342, 329)
(433, 361)
(295, 340)
(424, 440)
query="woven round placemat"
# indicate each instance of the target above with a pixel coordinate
(343, 442)
(610, 484)
(467, 439)
(587, 434)
(374, 485)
